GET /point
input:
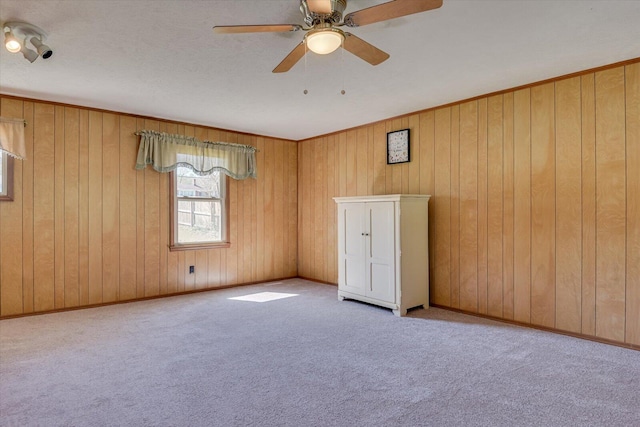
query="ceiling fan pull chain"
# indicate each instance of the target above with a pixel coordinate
(305, 91)
(342, 92)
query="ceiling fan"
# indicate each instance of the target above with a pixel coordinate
(324, 34)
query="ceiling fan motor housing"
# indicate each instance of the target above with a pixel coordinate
(312, 18)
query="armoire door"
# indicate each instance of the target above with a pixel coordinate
(380, 251)
(351, 220)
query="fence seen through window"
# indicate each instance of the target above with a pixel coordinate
(200, 207)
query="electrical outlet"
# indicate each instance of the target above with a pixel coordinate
(192, 269)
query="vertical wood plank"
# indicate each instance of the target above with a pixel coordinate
(280, 244)
(59, 207)
(269, 168)
(27, 212)
(140, 215)
(293, 208)
(611, 204)
(379, 158)
(303, 223)
(43, 210)
(414, 166)
(454, 272)
(241, 221)
(231, 253)
(427, 183)
(361, 161)
(351, 166)
(482, 206)
(370, 161)
(568, 206)
(632, 85)
(260, 246)
(71, 206)
(469, 206)
(111, 207)
(330, 212)
(442, 207)
(543, 206)
(95, 207)
(522, 206)
(495, 157)
(151, 225)
(508, 206)
(319, 232)
(404, 169)
(83, 214)
(588, 100)
(163, 244)
(128, 151)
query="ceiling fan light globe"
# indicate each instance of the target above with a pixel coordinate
(324, 42)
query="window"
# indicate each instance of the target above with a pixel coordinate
(199, 209)
(6, 176)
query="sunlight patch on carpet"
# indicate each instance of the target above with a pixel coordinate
(264, 296)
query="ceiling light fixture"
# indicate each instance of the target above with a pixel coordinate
(14, 32)
(29, 54)
(324, 41)
(43, 50)
(12, 44)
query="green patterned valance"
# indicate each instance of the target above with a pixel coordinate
(165, 152)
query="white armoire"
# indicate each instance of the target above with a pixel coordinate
(383, 250)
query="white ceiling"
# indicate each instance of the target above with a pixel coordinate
(160, 58)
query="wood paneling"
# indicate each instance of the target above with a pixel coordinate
(508, 222)
(543, 204)
(534, 216)
(522, 206)
(569, 206)
(442, 208)
(494, 205)
(610, 204)
(86, 228)
(632, 86)
(588, 204)
(483, 231)
(514, 212)
(469, 206)
(43, 205)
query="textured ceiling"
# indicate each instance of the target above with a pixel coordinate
(160, 58)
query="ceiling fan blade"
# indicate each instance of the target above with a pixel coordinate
(296, 54)
(320, 6)
(389, 10)
(364, 50)
(233, 29)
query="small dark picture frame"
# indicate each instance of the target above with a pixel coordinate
(398, 149)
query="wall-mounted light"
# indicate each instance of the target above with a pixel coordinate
(16, 36)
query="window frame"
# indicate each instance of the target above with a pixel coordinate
(7, 177)
(173, 218)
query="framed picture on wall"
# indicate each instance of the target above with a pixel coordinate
(398, 147)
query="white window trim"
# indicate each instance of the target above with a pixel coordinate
(7, 177)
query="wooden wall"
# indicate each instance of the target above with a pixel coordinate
(87, 228)
(535, 215)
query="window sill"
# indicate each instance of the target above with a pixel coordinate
(199, 246)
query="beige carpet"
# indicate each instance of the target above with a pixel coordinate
(303, 360)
